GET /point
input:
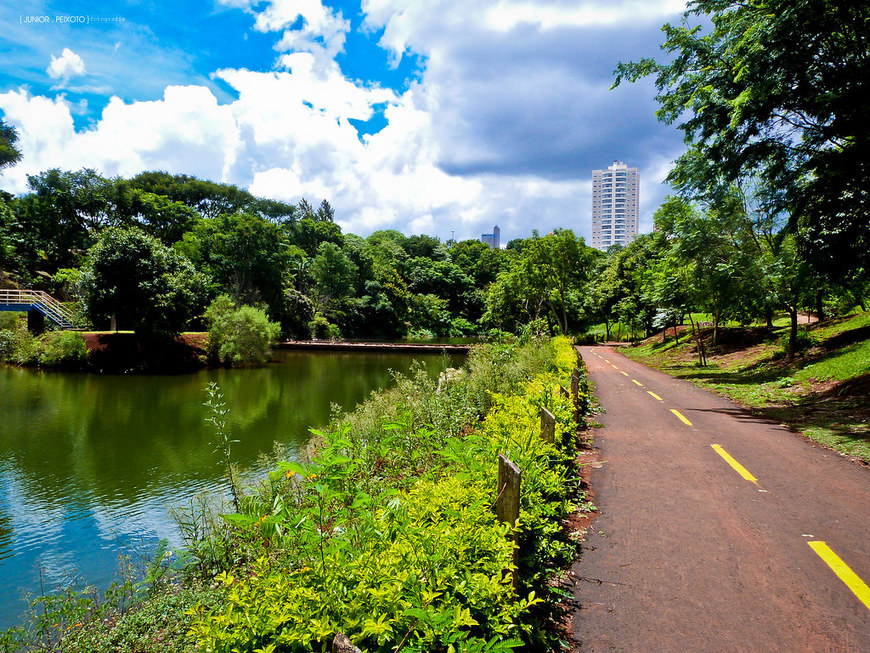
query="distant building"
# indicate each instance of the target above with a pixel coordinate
(493, 239)
(615, 205)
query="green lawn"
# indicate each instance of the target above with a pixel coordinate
(823, 393)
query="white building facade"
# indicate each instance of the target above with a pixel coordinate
(615, 205)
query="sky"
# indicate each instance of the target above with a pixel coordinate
(440, 117)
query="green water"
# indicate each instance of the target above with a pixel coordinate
(91, 464)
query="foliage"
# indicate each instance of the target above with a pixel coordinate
(239, 334)
(772, 91)
(387, 534)
(547, 280)
(9, 153)
(147, 286)
(55, 349)
(63, 349)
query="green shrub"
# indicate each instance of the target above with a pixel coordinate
(63, 349)
(26, 348)
(388, 534)
(8, 338)
(239, 334)
(11, 320)
(323, 329)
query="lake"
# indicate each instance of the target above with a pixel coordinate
(90, 464)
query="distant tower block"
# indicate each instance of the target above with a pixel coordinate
(615, 204)
(493, 239)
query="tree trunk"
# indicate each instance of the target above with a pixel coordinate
(696, 331)
(607, 329)
(768, 317)
(820, 305)
(792, 332)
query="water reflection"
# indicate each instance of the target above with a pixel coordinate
(89, 464)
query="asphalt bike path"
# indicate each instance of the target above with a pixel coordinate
(718, 531)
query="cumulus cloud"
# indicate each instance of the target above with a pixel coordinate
(307, 25)
(67, 65)
(510, 114)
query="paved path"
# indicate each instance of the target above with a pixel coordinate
(690, 555)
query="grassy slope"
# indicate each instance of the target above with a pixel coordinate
(824, 393)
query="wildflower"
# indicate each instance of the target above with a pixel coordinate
(289, 474)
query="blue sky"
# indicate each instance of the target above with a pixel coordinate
(439, 117)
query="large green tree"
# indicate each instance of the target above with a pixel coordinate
(776, 91)
(144, 284)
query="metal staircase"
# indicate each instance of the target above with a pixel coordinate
(37, 300)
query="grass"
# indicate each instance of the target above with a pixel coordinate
(822, 393)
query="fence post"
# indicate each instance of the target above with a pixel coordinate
(507, 505)
(564, 392)
(548, 426)
(575, 393)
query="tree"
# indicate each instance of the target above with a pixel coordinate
(247, 257)
(9, 153)
(776, 91)
(548, 279)
(147, 286)
(211, 199)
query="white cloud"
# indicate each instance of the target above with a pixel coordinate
(322, 32)
(509, 117)
(68, 65)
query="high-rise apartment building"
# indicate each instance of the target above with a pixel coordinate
(615, 204)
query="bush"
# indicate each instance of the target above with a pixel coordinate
(323, 329)
(388, 534)
(63, 349)
(11, 321)
(8, 338)
(239, 334)
(26, 348)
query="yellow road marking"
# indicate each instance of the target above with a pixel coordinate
(844, 573)
(605, 360)
(624, 373)
(740, 469)
(654, 395)
(638, 383)
(681, 416)
(614, 367)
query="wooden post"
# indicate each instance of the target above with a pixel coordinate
(548, 426)
(341, 644)
(564, 392)
(575, 393)
(507, 505)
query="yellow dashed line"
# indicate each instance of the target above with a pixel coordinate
(654, 395)
(740, 469)
(624, 373)
(844, 573)
(605, 360)
(682, 417)
(614, 367)
(638, 383)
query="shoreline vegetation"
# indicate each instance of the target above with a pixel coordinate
(385, 532)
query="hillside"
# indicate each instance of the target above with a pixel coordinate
(822, 394)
